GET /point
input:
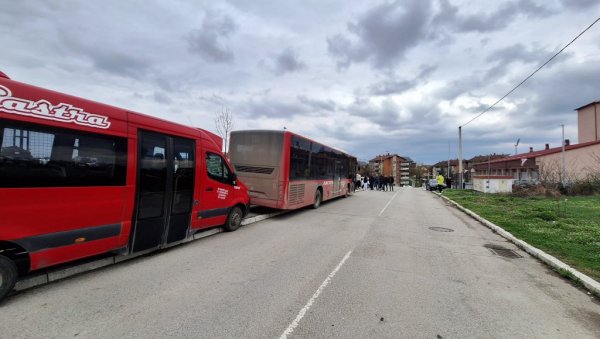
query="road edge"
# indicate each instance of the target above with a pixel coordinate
(589, 283)
(52, 275)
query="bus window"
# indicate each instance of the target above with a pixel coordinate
(42, 156)
(217, 168)
(300, 158)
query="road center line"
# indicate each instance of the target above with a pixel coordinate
(310, 302)
(386, 205)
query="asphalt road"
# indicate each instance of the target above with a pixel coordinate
(368, 266)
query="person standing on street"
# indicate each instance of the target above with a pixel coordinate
(440, 182)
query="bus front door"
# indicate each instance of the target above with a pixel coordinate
(165, 190)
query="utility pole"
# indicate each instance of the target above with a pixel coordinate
(460, 158)
(563, 171)
(448, 171)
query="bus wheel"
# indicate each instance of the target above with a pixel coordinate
(8, 276)
(234, 220)
(318, 199)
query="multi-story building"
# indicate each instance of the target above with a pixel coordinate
(393, 165)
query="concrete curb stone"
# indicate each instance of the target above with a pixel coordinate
(588, 282)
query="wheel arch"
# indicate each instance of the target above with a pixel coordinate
(16, 253)
(245, 208)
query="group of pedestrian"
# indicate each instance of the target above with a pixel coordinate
(379, 183)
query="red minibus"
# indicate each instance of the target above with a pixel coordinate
(287, 171)
(79, 178)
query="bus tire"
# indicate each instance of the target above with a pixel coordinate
(234, 219)
(8, 276)
(318, 199)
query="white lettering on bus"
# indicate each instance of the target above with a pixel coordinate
(45, 110)
(222, 193)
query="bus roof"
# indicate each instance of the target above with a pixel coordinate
(291, 133)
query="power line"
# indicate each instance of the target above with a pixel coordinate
(534, 72)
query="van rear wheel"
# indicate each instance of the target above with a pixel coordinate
(318, 199)
(234, 220)
(8, 276)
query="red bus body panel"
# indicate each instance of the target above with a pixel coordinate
(31, 215)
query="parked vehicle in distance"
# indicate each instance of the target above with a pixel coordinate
(287, 171)
(432, 185)
(80, 178)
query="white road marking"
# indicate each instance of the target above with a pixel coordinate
(310, 302)
(386, 205)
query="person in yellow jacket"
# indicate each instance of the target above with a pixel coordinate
(440, 182)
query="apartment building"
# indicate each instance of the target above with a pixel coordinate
(393, 165)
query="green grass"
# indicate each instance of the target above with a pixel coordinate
(566, 227)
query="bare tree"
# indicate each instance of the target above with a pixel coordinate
(224, 125)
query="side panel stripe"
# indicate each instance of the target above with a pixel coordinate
(213, 213)
(59, 239)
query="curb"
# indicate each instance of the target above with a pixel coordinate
(52, 275)
(589, 283)
(261, 217)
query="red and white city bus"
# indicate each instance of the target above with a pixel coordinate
(79, 178)
(287, 171)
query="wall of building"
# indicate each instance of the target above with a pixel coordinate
(579, 163)
(588, 123)
(493, 184)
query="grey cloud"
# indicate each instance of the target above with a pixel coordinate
(456, 88)
(318, 105)
(162, 98)
(393, 86)
(119, 64)
(207, 41)
(287, 62)
(272, 108)
(535, 56)
(564, 90)
(383, 34)
(579, 4)
(387, 31)
(411, 136)
(344, 51)
(518, 52)
(505, 56)
(386, 115)
(426, 71)
(450, 18)
(214, 99)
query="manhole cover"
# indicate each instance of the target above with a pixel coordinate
(502, 251)
(441, 229)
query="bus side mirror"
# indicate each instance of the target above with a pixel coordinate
(232, 178)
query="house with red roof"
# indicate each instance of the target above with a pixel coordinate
(581, 160)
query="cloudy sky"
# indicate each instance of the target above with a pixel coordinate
(368, 77)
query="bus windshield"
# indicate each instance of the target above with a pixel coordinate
(256, 148)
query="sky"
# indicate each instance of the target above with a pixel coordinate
(368, 77)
